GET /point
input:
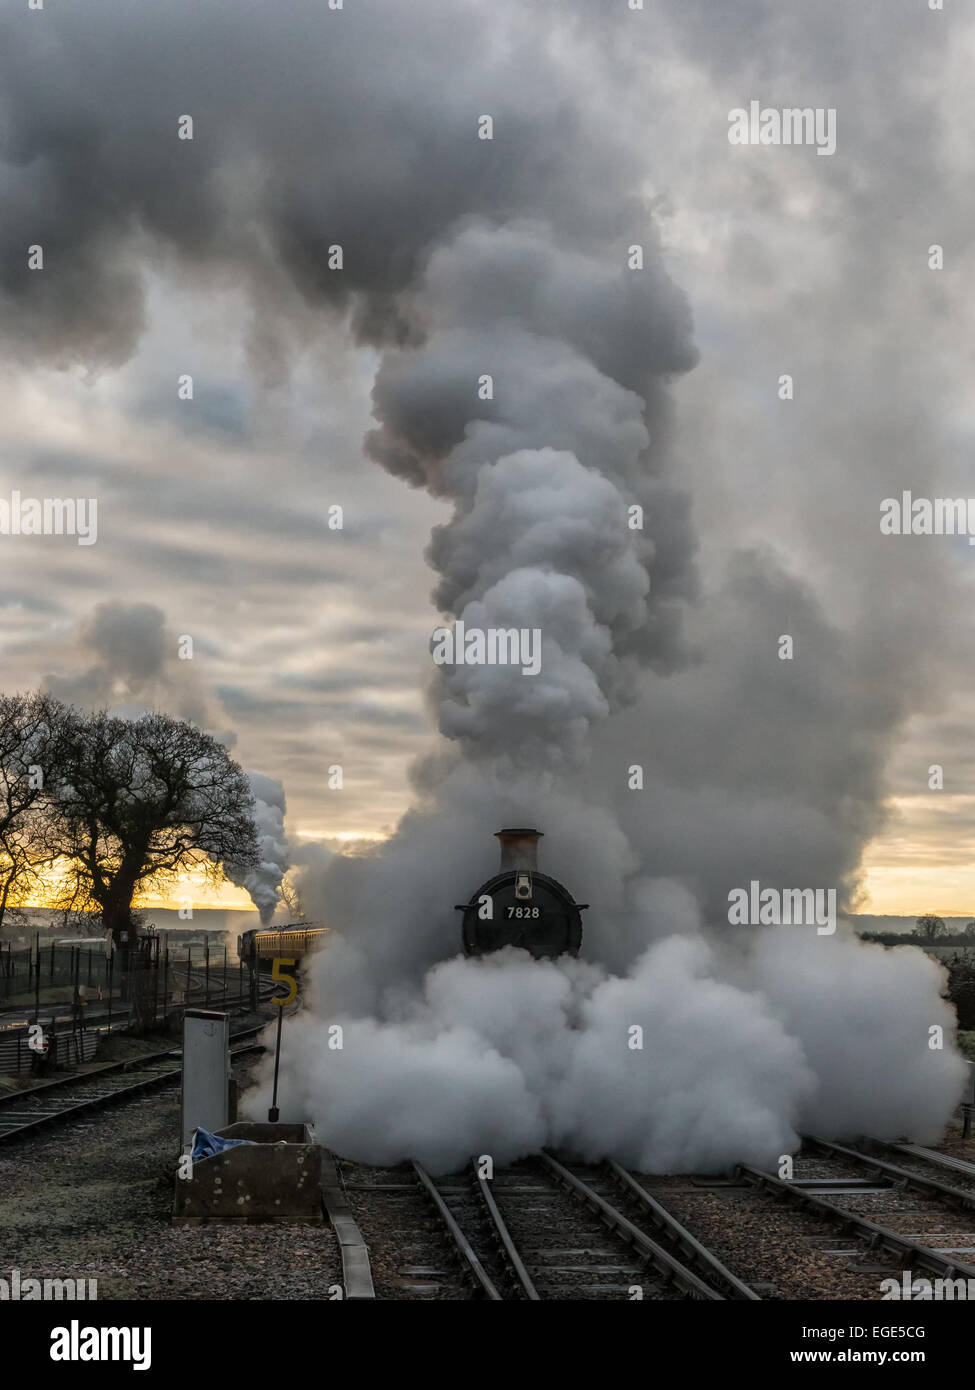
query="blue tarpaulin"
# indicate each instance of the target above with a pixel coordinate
(205, 1144)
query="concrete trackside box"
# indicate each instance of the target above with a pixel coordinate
(274, 1177)
(206, 1071)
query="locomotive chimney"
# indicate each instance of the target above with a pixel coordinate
(519, 848)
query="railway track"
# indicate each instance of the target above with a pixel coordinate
(66, 1098)
(920, 1159)
(99, 1021)
(543, 1230)
(411, 1250)
(452, 1200)
(887, 1218)
(917, 1171)
(676, 1237)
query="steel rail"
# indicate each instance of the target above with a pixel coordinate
(515, 1261)
(876, 1235)
(10, 1100)
(940, 1160)
(35, 1121)
(463, 1245)
(688, 1245)
(904, 1178)
(661, 1259)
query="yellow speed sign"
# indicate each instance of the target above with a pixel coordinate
(282, 976)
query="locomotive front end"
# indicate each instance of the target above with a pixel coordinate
(521, 906)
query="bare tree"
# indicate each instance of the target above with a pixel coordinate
(290, 895)
(929, 927)
(144, 798)
(31, 748)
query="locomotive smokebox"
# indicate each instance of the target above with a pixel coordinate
(521, 906)
(519, 849)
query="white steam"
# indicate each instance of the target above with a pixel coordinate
(747, 1041)
(263, 883)
(567, 517)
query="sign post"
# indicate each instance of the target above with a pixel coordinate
(280, 999)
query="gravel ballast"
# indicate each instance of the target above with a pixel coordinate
(93, 1199)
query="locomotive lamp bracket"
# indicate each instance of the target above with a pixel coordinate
(523, 886)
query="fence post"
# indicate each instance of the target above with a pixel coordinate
(155, 982)
(75, 995)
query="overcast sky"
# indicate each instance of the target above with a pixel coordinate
(313, 127)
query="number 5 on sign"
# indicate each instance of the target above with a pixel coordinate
(282, 977)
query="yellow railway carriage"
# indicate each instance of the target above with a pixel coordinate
(293, 941)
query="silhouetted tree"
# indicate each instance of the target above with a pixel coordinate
(929, 927)
(961, 990)
(31, 750)
(144, 798)
(290, 895)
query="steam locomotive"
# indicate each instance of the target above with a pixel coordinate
(521, 906)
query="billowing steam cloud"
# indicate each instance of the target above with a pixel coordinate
(264, 882)
(122, 652)
(509, 259)
(544, 475)
(509, 1054)
(744, 1043)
